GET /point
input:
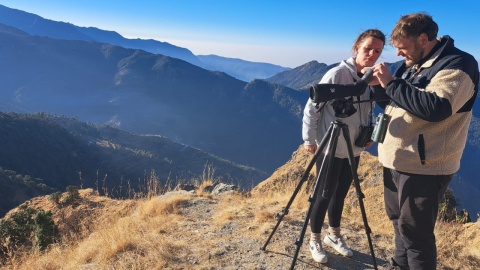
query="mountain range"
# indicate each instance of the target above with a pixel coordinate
(151, 94)
(241, 69)
(36, 25)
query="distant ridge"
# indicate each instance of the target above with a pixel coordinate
(302, 77)
(241, 69)
(12, 30)
(36, 25)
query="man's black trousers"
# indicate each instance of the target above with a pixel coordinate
(411, 202)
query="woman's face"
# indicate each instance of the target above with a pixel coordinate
(368, 52)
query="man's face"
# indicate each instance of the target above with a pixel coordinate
(410, 49)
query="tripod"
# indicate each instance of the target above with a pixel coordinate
(323, 179)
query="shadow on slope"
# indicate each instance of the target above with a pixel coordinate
(53, 150)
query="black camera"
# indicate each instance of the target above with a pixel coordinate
(364, 137)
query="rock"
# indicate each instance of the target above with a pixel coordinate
(186, 187)
(219, 253)
(224, 188)
(209, 188)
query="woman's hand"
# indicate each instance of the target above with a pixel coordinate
(368, 144)
(310, 148)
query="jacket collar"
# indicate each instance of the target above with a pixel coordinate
(446, 42)
(350, 65)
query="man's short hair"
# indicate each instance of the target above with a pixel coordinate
(413, 25)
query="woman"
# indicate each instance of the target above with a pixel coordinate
(366, 50)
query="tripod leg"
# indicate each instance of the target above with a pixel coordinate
(302, 180)
(322, 176)
(360, 195)
(326, 180)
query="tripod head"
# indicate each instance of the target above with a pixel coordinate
(343, 108)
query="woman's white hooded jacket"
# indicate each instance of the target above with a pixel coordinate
(315, 125)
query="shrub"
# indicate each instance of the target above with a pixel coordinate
(73, 192)
(72, 195)
(25, 227)
(17, 230)
(68, 199)
(55, 197)
(463, 217)
(46, 230)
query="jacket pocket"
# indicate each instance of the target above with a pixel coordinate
(421, 150)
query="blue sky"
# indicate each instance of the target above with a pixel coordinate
(286, 33)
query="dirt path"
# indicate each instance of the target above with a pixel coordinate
(237, 243)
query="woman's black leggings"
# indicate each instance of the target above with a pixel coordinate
(340, 180)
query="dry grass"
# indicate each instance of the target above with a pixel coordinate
(208, 179)
(232, 207)
(458, 245)
(145, 235)
(138, 241)
(156, 207)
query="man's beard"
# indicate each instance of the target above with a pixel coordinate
(416, 56)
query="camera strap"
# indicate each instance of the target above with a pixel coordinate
(370, 119)
(358, 99)
(360, 110)
(318, 109)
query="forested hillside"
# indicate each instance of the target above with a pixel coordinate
(42, 153)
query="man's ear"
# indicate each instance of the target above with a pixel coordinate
(422, 39)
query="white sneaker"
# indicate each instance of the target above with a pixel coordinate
(318, 253)
(338, 244)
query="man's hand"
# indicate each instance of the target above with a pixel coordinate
(310, 148)
(381, 72)
(374, 80)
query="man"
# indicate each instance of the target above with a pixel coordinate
(432, 95)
